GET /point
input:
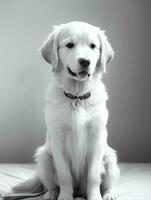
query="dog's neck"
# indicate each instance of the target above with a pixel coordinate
(77, 88)
(93, 88)
(82, 97)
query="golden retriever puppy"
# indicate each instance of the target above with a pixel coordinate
(76, 160)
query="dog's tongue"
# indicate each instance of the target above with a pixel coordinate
(82, 74)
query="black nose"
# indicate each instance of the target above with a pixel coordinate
(84, 62)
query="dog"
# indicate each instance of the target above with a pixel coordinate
(76, 160)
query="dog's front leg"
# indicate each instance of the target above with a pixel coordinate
(95, 162)
(62, 167)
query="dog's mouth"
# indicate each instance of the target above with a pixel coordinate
(71, 72)
(81, 75)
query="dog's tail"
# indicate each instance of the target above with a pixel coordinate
(32, 185)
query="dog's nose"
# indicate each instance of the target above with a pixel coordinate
(84, 62)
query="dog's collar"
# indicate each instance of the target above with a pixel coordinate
(82, 97)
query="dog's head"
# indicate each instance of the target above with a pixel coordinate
(79, 49)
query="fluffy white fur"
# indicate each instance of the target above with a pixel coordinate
(76, 159)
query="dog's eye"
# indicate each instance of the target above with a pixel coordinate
(92, 45)
(70, 45)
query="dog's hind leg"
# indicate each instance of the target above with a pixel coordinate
(111, 175)
(47, 173)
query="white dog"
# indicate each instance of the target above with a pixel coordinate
(76, 160)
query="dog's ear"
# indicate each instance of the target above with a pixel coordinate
(106, 51)
(49, 49)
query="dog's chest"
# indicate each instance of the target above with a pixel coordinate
(76, 143)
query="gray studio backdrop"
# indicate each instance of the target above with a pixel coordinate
(24, 76)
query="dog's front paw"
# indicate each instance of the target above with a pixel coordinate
(109, 196)
(96, 197)
(79, 198)
(94, 194)
(65, 196)
(51, 195)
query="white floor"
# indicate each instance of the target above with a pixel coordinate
(134, 183)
